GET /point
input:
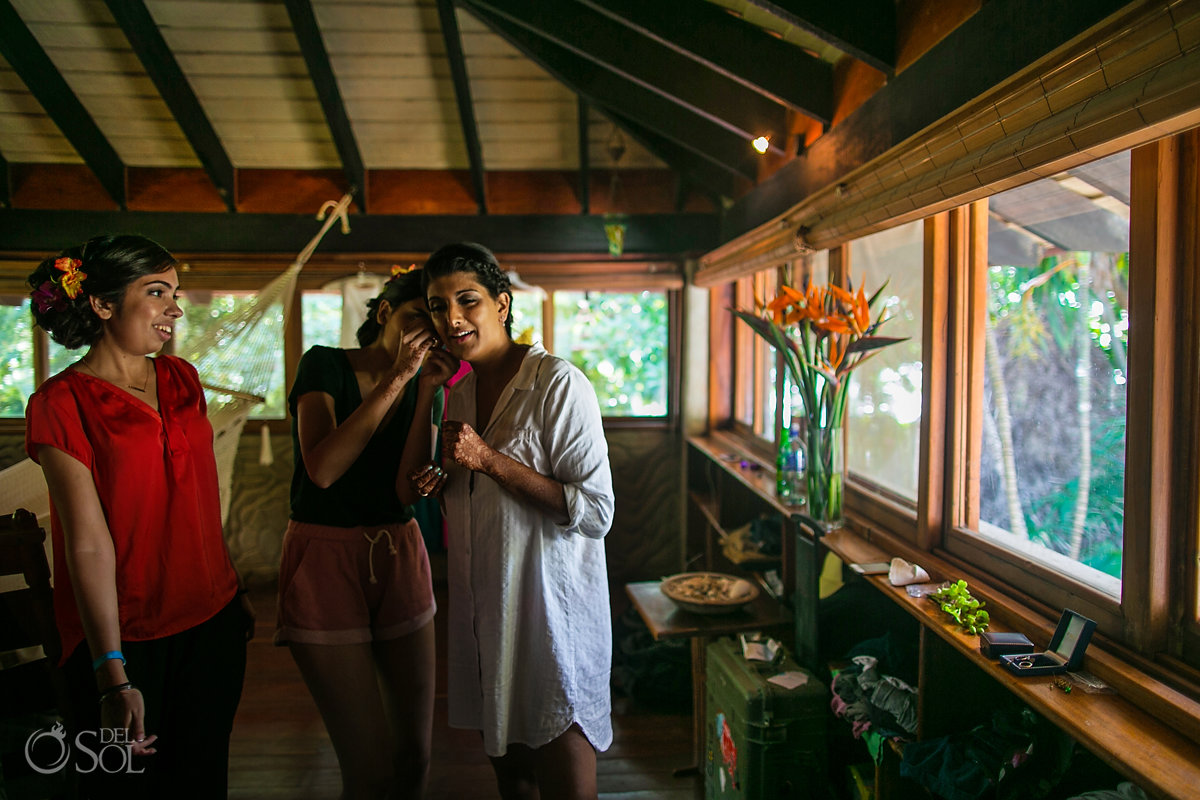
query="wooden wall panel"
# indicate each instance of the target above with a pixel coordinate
(645, 538)
(58, 186)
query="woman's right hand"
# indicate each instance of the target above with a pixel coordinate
(126, 710)
(415, 343)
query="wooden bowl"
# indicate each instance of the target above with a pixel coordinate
(709, 592)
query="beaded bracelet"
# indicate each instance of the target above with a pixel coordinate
(111, 655)
(120, 687)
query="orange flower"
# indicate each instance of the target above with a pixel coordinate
(72, 277)
(862, 312)
(837, 352)
(833, 323)
(399, 270)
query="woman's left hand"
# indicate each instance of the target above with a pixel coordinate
(464, 446)
(439, 367)
(428, 480)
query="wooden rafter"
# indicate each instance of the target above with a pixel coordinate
(26, 56)
(585, 161)
(906, 106)
(601, 87)
(5, 187)
(865, 29)
(152, 50)
(714, 182)
(312, 46)
(36, 231)
(647, 63)
(462, 94)
(733, 48)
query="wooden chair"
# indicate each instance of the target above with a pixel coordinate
(32, 688)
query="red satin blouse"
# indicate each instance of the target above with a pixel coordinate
(156, 477)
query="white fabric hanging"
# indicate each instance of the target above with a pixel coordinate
(356, 291)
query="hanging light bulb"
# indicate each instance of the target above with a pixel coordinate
(762, 143)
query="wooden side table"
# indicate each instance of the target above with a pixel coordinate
(668, 621)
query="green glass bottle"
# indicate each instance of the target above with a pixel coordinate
(783, 454)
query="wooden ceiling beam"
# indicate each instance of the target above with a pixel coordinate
(462, 94)
(905, 105)
(5, 184)
(601, 87)
(865, 29)
(585, 158)
(731, 47)
(35, 69)
(312, 47)
(648, 63)
(24, 231)
(717, 183)
(152, 50)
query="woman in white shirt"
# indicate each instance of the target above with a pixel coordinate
(528, 500)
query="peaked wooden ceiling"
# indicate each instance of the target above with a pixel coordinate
(470, 110)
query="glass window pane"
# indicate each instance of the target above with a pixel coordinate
(322, 319)
(883, 409)
(1052, 475)
(61, 357)
(619, 340)
(16, 347)
(527, 316)
(251, 360)
(766, 285)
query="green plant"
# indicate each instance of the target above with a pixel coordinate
(967, 611)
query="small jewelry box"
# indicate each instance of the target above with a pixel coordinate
(1070, 640)
(994, 644)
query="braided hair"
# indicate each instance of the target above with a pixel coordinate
(397, 291)
(474, 258)
(102, 267)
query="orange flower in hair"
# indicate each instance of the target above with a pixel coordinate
(399, 270)
(72, 278)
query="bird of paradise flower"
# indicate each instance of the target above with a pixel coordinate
(824, 334)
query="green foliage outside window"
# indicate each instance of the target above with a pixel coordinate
(16, 359)
(251, 361)
(322, 319)
(619, 340)
(1054, 416)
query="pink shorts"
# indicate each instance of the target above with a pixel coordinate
(352, 585)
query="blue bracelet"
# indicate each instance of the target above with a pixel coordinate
(109, 656)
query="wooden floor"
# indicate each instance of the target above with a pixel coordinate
(280, 748)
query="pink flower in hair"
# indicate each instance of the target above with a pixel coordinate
(49, 296)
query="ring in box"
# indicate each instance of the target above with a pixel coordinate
(1066, 649)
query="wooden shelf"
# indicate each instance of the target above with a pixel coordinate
(1162, 760)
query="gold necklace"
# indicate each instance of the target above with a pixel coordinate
(142, 388)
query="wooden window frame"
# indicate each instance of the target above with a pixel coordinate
(1156, 619)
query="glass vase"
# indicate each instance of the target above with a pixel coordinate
(824, 478)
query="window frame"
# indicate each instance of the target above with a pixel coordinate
(1156, 616)
(231, 273)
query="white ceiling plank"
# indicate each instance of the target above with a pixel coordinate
(219, 15)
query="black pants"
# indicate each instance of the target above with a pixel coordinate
(191, 682)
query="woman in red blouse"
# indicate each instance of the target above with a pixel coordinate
(152, 621)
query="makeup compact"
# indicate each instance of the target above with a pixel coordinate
(1065, 653)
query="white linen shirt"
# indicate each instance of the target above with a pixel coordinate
(529, 633)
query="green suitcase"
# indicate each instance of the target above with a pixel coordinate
(764, 742)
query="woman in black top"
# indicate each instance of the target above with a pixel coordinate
(355, 596)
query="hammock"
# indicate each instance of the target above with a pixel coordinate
(233, 386)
